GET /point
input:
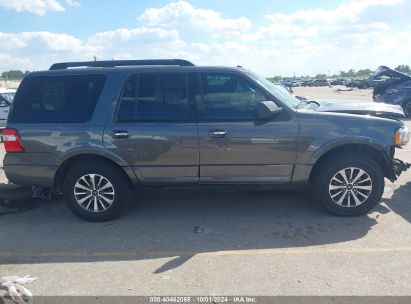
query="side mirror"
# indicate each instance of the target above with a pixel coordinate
(267, 110)
(4, 103)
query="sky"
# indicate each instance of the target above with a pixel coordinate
(269, 37)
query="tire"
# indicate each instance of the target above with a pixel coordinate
(356, 198)
(407, 108)
(94, 205)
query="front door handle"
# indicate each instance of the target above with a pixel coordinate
(218, 133)
(118, 134)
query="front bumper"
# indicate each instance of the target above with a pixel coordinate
(398, 167)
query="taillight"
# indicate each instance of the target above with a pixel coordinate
(12, 141)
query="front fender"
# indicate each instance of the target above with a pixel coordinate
(344, 142)
(323, 132)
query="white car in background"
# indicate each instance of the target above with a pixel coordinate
(6, 98)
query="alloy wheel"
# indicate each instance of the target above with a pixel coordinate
(94, 193)
(350, 187)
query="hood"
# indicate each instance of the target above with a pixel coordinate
(387, 72)
(361, 107)
(385, 77)
(7, 91)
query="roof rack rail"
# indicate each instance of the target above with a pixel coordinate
(118, 63)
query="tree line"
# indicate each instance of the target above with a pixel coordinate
(363, 73)
(14, 74)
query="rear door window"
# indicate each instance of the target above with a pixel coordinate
(57, 99)
(155, 97)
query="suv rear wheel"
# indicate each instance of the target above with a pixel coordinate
(96, 190)
(349, 187)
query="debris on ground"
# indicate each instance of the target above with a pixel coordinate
(45, 193)
(15, 290)
(17, 198)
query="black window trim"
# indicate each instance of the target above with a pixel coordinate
(191, 107)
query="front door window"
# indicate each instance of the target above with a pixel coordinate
(228, 97)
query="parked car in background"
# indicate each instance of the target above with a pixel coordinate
(358, 83)
(337, 82)
(287, 84)
(363, 84)
(295, 84)
(351, 83)
(392, 87)
(97, 130)
(6, 98)
(319, 83)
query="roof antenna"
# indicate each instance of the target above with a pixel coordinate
(95, 58)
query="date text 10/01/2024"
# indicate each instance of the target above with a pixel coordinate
(237, 299)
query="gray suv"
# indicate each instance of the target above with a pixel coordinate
(95, 130)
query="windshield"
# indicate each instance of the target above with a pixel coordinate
(280, 92)
(8, 96)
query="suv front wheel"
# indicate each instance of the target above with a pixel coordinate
(407, 108)
(96, 190)
(349, 187)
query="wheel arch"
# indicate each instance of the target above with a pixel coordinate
(377, 154)
(75, 158)
(405, 103)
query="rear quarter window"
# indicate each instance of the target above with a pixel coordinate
(57, 99)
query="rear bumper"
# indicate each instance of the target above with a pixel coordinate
(42, 176)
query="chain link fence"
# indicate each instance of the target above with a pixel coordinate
(9, 83)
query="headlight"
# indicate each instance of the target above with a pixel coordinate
(402, 137)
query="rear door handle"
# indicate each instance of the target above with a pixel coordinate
(218, 133)
(118, 134)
